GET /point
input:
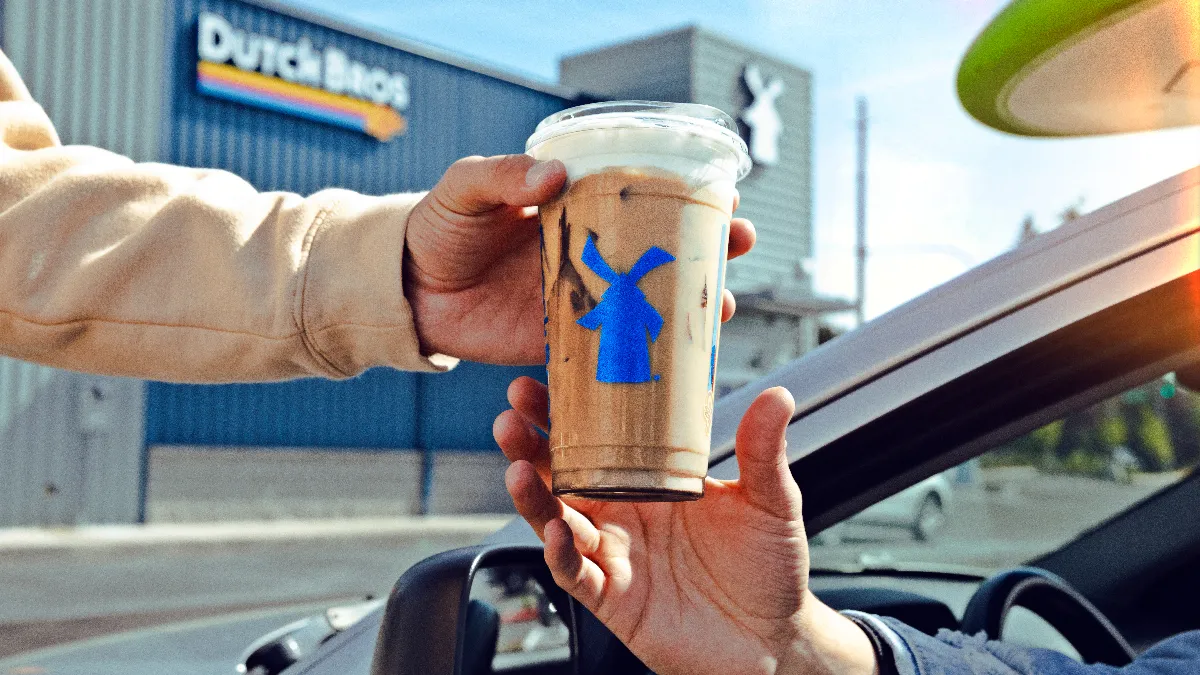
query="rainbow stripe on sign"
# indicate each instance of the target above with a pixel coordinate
(225, 81)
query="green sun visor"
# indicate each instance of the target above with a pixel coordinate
(1085, 67)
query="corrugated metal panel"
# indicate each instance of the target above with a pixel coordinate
(70, 444)
(23, 465)
(375, 410)
(655, 68)
(458, 408)
(777, 199)
(110, 413)
(95, 65)
(454, 112)
(70, 447)
(379, 410)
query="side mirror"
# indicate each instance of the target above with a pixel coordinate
(278, 650)
(477, 611)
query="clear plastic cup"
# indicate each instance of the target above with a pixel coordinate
(633, 264)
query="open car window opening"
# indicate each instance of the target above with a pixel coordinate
(1030, 495)
(1030, 451)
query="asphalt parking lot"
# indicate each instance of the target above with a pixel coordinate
(50, 595)
(53, 594)
(1004, 520)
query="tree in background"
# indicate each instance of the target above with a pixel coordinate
(1181, 412)
(1157, 423)
(1071, 212)
(1029, 230)
(1149, 437)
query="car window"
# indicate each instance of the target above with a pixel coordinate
(1030, 495)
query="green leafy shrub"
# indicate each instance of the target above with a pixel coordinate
(1155, 440)
(1113, 430)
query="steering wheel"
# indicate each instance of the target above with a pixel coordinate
(1048, 596)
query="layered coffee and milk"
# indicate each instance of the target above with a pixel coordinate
(633, 262)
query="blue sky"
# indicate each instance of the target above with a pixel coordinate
(945, 191)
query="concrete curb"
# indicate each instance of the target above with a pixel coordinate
(99, 536)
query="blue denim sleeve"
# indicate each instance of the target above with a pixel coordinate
(952, 653)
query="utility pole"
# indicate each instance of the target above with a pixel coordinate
(860, 249)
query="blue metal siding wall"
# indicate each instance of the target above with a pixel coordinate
(457, 408)
(453, 113)
(374, 410)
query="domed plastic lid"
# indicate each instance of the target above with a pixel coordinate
(702, 120)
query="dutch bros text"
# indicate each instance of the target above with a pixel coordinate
(295, 77)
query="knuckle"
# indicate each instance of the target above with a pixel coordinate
(464, 167)
(469, 161)
(514, 164)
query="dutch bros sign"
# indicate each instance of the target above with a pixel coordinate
(296, 79)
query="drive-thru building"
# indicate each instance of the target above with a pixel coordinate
(292, 101)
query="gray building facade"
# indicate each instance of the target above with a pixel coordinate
(771, 100)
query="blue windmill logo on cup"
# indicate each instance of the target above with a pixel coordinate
(624, 317)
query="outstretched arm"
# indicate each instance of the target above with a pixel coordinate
(173, 273)
(184, 274)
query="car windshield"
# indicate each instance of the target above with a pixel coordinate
(1032, 494)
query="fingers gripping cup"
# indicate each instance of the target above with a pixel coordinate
(633, 267)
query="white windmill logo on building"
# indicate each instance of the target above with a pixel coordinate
(762, 117)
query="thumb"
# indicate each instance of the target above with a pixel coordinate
(476, 185)
(762, 450)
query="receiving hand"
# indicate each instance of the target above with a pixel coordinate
(472, 269)
(718, 585)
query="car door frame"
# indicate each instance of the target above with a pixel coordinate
(1084, 320)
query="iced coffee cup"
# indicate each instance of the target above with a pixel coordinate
(633, 268)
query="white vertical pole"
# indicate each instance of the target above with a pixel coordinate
(860, 249)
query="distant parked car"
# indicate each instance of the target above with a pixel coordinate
(922, 509)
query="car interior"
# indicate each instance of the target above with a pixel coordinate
(1126, 566)
(1124, 582)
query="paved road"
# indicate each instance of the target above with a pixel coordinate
(1001, 523)
(198, 647)
(52, 596)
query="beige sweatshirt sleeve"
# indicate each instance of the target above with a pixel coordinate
(179, 274)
